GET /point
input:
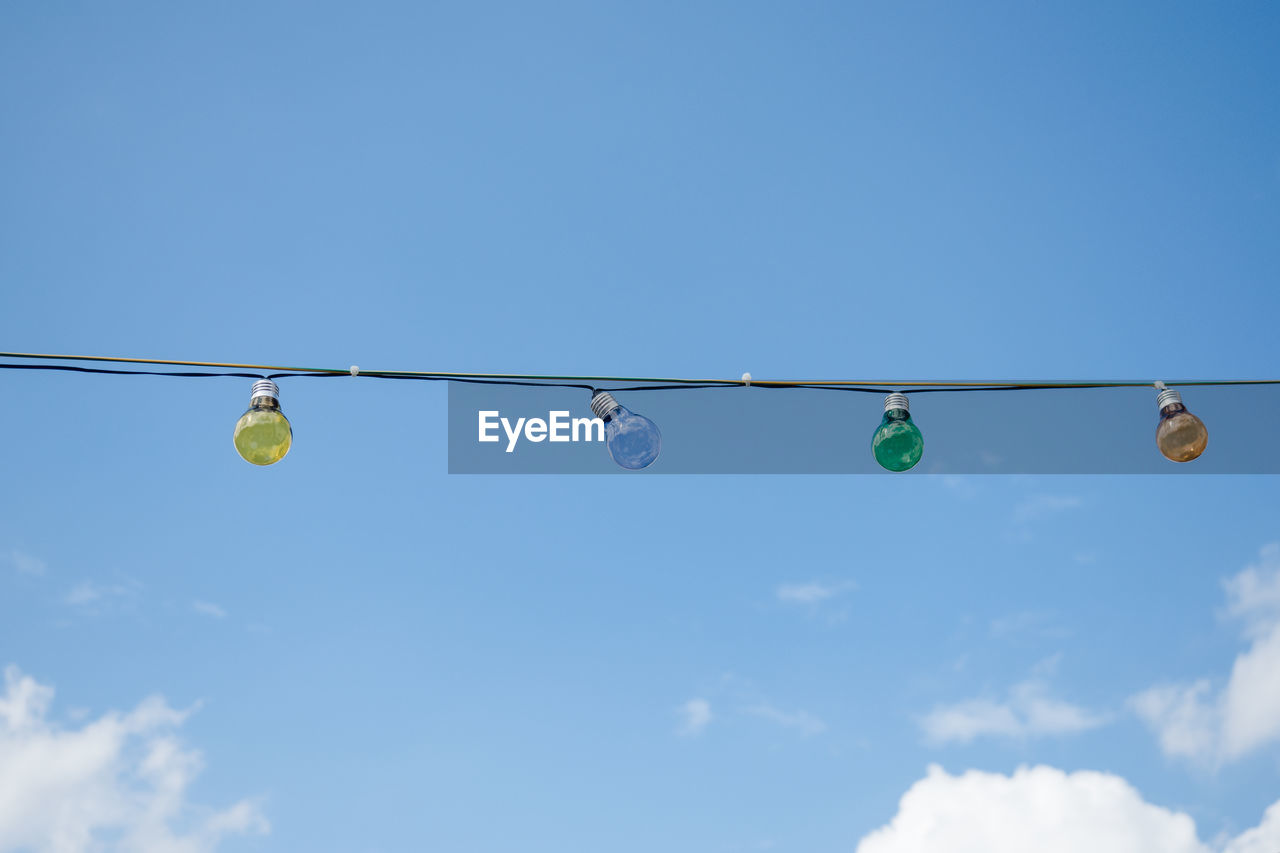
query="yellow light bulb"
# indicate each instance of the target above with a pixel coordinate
(263, 435)
(1180, 435)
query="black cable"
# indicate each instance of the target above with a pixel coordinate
(683, 386)
(378, 375)
(1017, 388)
(275, 376)
(184, 375)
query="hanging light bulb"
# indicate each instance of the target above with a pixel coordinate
(263, 435)
(633, 440)
(1180, 435)
(897, 443)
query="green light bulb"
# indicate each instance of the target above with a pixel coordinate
(263, 435)
(897, 443)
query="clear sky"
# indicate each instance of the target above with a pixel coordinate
(354, 651)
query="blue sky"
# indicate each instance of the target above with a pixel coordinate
(368, 654)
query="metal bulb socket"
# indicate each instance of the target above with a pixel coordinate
(896, 401)
(602, 403)
(265, 388)
(1167, 397)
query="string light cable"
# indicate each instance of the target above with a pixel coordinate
(263, 435)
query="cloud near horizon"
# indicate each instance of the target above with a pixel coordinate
(1194, 721)
(118, 782)
(1048, 810)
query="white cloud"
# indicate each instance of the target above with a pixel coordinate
(695, 715)
(1253, 596)
(812, 592)
(118, 782)
(1048, 810)
(1039, 506)
(967, 720)
(1028, 711)
(88, 592)
(1182, 718)
(1191, 720)
(801, 721)
(208, 608)
(26, 563)
(1251, 701)
(1263, 838)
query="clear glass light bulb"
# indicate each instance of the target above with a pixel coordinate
(633, 440)
(897, 443)
(263, 435)
(1180, 435)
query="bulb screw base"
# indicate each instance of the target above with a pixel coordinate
(1167, 397)
(897, 401)
(602, 403)
(265, 388)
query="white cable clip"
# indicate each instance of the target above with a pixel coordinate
(1159, 385)
(355, 370)
(746, 379)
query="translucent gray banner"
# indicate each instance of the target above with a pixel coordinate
(754, 430)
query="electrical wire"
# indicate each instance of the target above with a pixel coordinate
(183, 374)
(590, 383)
